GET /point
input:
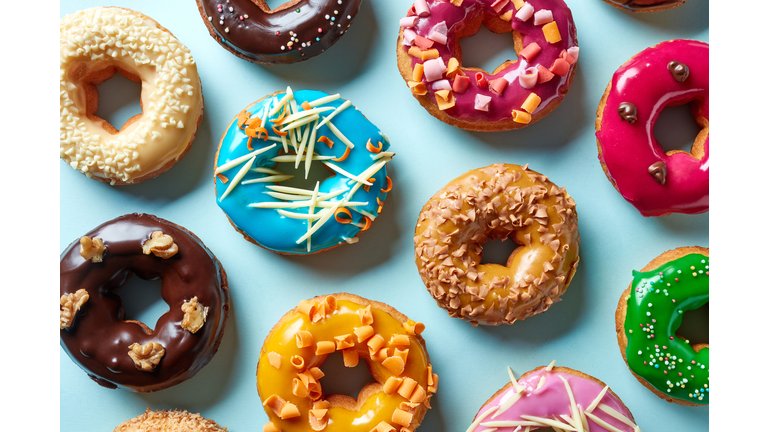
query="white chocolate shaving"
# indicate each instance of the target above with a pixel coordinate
(341, 108)
(241, 159)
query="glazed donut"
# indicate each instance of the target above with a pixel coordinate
(295, 128)
(501, 201)
(518, 92)
(554, 397)
(116, 352)
(650, 312)
(295, 31)
(169, 421)
(657, 183)
(289, 371)
(95, 43)
(645, 5)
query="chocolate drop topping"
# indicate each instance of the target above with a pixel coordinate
(679, 71)
(659, 172)
(628, 112)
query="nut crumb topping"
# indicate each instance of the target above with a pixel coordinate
(194, 315)
(161, 245)
(92, 249)
(70, 304)
(147, 356)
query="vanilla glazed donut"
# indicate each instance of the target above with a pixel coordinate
(94, 44)
(648, 316)
(289, 375)
(554, 397)
(645, 5)
(657, 183)
(169, 421)
(295, 31)
(518, 92)
(298, 128)
(115, 352)
(505, 202)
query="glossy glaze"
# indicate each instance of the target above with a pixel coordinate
(512, 98)
(655, 307)
(99, 339)
(552, 399)
(279, 233)
(628, 150)
(295, 31)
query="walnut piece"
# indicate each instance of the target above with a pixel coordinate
(70, 304)
(147, 356)
(92, 249)
(161, 245)
(194, 315)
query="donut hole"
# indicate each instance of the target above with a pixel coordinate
(498, 251)
(342, 380)
(113, 98)
(142, 302)
(676, 130)
(695, 326)
(486, 45)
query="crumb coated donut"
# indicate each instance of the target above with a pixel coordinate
(169, 421)
(647, 319)
(282, 132)
(518, 92)
(295, 31)
(656, 182)
(645, 5)
(554, 397)
(501, 201)
(290, 378)
(116, 352)
(94, 44)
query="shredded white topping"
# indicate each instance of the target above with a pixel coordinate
(597, 400)
(241, 159)
(324, 100)
(341, 108)
(269, 179)
(238, 177)
(480, 418)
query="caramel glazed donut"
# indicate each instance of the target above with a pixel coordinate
(94, 44)
(123, 353)
(501, 201)
(295, 31)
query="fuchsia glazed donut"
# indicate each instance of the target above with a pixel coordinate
(518, 92)
(657, 183)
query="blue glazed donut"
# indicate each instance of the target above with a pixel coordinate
(273, 132)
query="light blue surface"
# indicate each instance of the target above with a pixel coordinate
(578, 332)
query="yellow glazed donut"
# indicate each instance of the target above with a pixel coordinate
(289, 375)
(94, 44)
(169, 421)
(501, 201)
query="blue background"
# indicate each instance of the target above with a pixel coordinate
(578, 331)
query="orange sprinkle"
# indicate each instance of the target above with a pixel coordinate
(401, 417)
(364, 333)
(278, 131)
(373, 149)
(289, 411)
(376, 343)
(367, 224)
(370, 180)
(380, 355)
(242, 117)
(327, 141)
(270, 427)
(413, 327)
(407, 387)
(304, 339)
(299, 389)
(316, 373)
(351, 357)
(344, 156)
(307, 307)
(330, 304)
(394, 364)
(344, 341)
(249, 143)
(381, 205)
(366, 317)
(392, 384)
(402, 353)
(341, 219)
(297, 362)
(324, 347)
(275, 359)
(419, 395)
(383, 427)
(306, 106)
(223, 178)
(389, 185)
(400, 340)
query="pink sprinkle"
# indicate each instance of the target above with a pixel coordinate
(671, 338)
(319, 30)
(525, 12)
(693, 361)
(680, 374)
(673, 300)
(665, 372)
(241, 18)
(707, 273)
(408, 21)
(422, 9)
(529, 77)
(652, 336)
(460, 83)
(277, 33)
(665, 347)
(661, 274)
(645, 362)
(653, 319)
(676, 280)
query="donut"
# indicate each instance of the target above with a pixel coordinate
(653, 305)
(507, 202)
(518, 92)
(295, 128)
(129, 354)
(295, 31)
(645, 5)
(657, 183)
(169, 421)
(96, 43)
(289, 375)
(556, 398)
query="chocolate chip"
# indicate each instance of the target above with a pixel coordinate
(679, 71)
(659, 172)
(628, 112)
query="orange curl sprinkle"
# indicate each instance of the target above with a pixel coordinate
(344, 156)
(306, 106)
(279, 132)
(242, 117)
(223, 178)
(389, 185)
(368, 188)
(381, 205)
(367, 224)
(327, 141)
(373, 149)
(342, 219)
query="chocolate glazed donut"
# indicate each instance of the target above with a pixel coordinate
(295, 31)
(98, 339)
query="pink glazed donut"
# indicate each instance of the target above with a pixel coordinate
(657, 183)
(518, 92)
